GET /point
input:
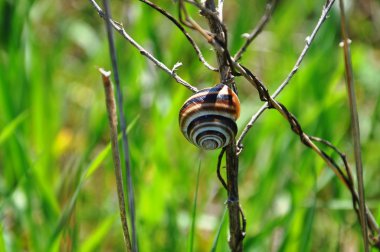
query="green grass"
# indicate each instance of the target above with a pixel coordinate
(57, 185)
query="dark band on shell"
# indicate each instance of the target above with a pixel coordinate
(207, 119)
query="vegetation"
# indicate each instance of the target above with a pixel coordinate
(57, 184)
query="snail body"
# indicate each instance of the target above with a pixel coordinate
(208, 118)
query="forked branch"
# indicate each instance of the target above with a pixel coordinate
(309, 39)
(305, 139)
(182, 29)
(120, 29)
(258, 29)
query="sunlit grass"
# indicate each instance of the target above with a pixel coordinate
(57, 187)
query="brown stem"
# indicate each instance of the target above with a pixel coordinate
(232, 162)
(355, 126)
(236, 231)
(112, 118)
(123, 126)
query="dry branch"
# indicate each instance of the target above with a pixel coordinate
(182, 29)
(189, 22)
(258, 29)
(119, 28)
(309, 39)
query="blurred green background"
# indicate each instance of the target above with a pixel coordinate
(54, 128)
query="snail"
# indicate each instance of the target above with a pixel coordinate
(208, 118)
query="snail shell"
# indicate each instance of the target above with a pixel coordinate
(207, 119)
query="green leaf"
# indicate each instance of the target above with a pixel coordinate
(2, 242)
(193, 218)
(216, 239)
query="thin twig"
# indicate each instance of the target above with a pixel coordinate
(119, 28)
(309, 40)
(218, 166)
(243, 221)
(189, 22)
(211, 38)
(217, 15)
(123, 126)
(342, 155)
(213, 14)
(354, 125)
(249, 126)
(370, 218)
(220, 41)
(180, 27)
(258, 29)
(112, 118)
(348, 179)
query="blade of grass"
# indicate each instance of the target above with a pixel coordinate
(94, 165)
(105, 152)
(216, 239)
(9, 129)
(94, 239)
(65, 216)
(307, 228)
(112, 120)
(2, 242)
(305, 242)
(194, 213)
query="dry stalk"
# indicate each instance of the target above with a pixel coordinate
(112, 118)
(354, 126)
(123, 126)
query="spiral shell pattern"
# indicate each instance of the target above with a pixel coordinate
(207, 119)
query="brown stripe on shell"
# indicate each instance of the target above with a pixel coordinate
(213, 109)
(220, 102)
